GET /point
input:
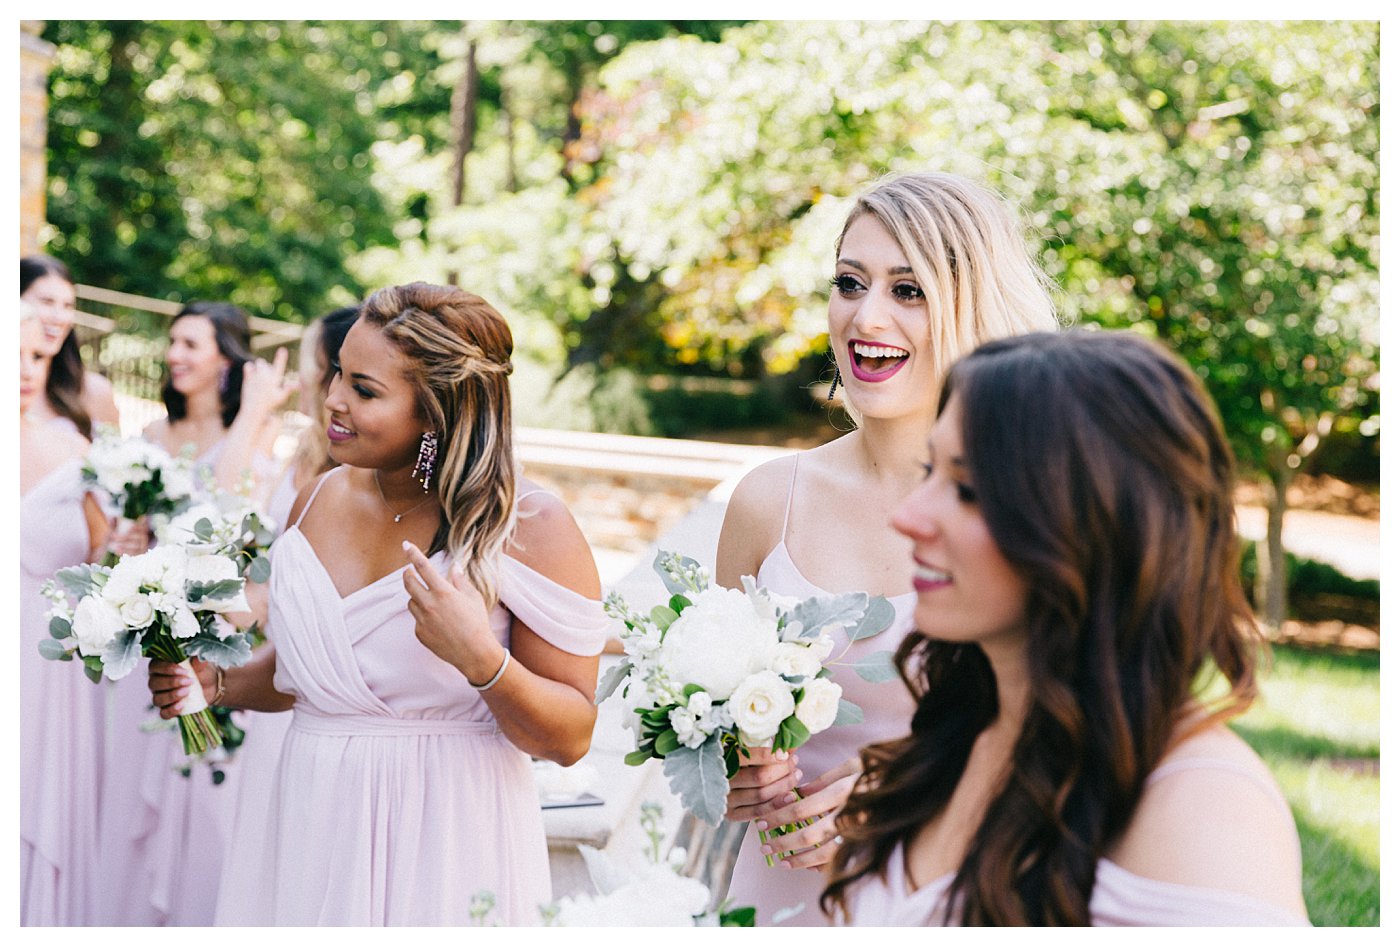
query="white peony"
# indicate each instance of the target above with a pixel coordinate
(821, 699)
(137, 611)
(96, 623)
(760, 703)
(794, 659)
(717, 642)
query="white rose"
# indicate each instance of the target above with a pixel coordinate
(96, 622)
(137, 611)
(759, 704)
(794, 659)
(717, 642)
(821, 699)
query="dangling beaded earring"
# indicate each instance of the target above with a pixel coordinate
(427, 459)
(834, 382)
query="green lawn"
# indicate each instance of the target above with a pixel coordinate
(1317, 724)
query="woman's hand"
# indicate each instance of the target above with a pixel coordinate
(265, 387)
(814, 845)
(764, 781)
(451, 616)
(129, 537)
(170, 684)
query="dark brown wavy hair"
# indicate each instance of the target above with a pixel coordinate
(459, 348)
(1106, 480)
(64, 388)
(234, 339)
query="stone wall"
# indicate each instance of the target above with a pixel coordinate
(35, 60)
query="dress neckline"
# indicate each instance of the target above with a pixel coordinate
(44, 480)
(295, 528)
(782, 549)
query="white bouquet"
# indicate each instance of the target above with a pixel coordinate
(218, 520)
(651, 894)
(140, 478)
(716, 671)
(162, 604)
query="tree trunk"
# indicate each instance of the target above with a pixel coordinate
(508, 121)
(463, 127)
(1271, 589)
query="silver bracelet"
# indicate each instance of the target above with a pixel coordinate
(495, 677)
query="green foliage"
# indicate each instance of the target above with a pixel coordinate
(1309, 577)
(1317, 725)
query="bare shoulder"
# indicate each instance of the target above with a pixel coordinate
(1215, 818)
(156, 431)
(753, 520)
(549, 541)
(304, 496)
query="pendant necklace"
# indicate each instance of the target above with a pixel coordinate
(382, 497)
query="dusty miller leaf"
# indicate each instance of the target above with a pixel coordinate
(697, 777)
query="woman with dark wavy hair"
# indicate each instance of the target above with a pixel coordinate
(72, 395)
(1075, 559)
(220, 401)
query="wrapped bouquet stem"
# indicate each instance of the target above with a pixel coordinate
(713, 672)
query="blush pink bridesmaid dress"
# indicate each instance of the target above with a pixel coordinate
(396, 797)
(60, 720)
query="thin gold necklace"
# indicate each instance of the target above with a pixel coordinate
(382, 497)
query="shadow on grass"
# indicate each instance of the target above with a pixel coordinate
(1323, 659)
(1278, 741)
(1340, 887)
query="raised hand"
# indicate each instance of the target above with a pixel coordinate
(452, 621)
(765, 780)
(265, 386)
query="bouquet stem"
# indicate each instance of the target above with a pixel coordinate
(766, 835)
(199, 731)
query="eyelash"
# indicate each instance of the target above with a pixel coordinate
(965, 493)
(360, 390)
(847, 285)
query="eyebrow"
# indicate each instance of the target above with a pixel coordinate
(361, 376)
(894, 270)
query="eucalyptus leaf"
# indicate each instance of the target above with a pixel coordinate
(877, 668)
(92, 667)
(697, 777)
(260, 570)
(203, 529)
(848, 712)
(879, 615)
(60, 627)
(230, 652)
(51, 649)
(822, 611)
(611, 680)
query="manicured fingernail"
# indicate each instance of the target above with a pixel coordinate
(405, 545)
(762, 825)
(780, 755)
(799, 775)
(767, 849)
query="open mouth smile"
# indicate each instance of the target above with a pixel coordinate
(873, 362)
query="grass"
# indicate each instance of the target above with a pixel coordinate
(1317, 725)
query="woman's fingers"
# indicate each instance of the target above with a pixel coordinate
(813, 846)
(420, 576)
(751, 777)
(809, 806)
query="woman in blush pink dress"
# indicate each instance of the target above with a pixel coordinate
(165, 834)
(265, 732)
(420, 683)
(927, 265)
(1076, 564)
(60, 718)
(73, 397)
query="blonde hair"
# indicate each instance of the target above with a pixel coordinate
(312, 455)
(969, 253)
(459, 349)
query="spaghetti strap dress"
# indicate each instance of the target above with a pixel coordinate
(1120, 898)
(396, 797)
(887, 709)
(60, 720)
